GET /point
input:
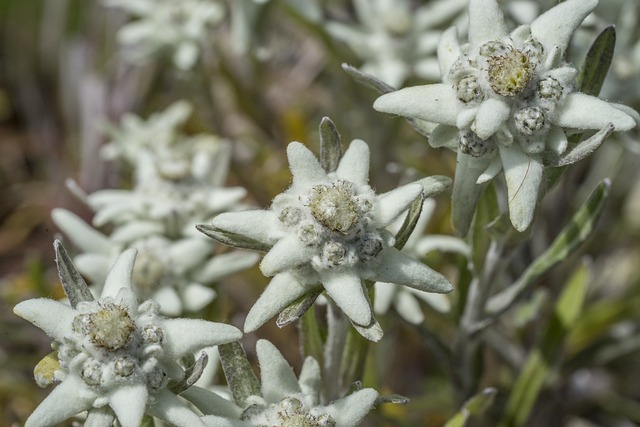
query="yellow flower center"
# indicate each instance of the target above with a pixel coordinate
(334, 206)
(510, 71)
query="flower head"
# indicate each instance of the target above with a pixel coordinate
(328, 229)
(115, 352)
(506, 99)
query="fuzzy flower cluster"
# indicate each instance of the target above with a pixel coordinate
(506, 102)
(394, 40)
(284, 400)
(177, 183)
(113, 352)
(328, 229)
(177, 27)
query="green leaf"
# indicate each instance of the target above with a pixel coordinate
(191, 375)
(330, 147)
(391, 398)
(597, 62)
(541, 359)
(435, 184)
(409, 223)
(232, 239)
(568, 241)
(296, 309)
(73, 284)
(310, 336)
(476, 406)
(237, 370)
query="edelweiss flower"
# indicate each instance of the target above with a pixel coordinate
(328, 229)
(396, 42)
(175, 274)
(176, 25)
(505, 101)
(115, 352)
(285, 400)
(405, 299)
(176, 186)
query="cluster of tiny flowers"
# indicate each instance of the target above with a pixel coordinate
(336, 220)
(289, 412)
(110, 344)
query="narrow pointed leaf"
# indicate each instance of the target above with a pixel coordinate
(73, 284)
(330, 147)
(232, 239)
(391, 398)
(409, 223)
(298, 308)
(597, 62)
(237, 370)
(476, 406)
(568, 241)
(584, 148)
(191, 375)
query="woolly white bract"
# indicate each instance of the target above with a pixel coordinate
(113, 352)
(328, 229)
(505, 102)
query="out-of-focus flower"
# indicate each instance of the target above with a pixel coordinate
(394, 41)
(328, 229)
(114, 352)
(176, 26)
(506, 101)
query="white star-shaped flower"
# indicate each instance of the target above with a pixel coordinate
(394, 41)
(114, 352)
(506, 99)
(179, 26)
(328, 229)
(285, 400)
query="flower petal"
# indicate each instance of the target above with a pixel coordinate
(396, 267)
(135, 230)
(444, 136)
(222, 199)
(565, 75)
(466, 192)
(384, 296)
(491, 114)
(186, 336)
(305, 168)
(435, 103)
(129, 404)
(169, 408)
(85, 237)
(350, 410)
(197, 296)
(524, 174)
(169, 300)
(244, 224)
(557, 140)
(94, 267)
(486, 22)
(392, 203)
(286, 254)
(283, 289)
(67, 399)
(555, 27)
(580, 111)
(211, 403)
(494, 168)
(53, 317)
(345, 289)
(276, 375)
(186, 254)
(120, 274)
(409, 308)
(310, 379)
(225, 264)
(448, 50)
(354, 165)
